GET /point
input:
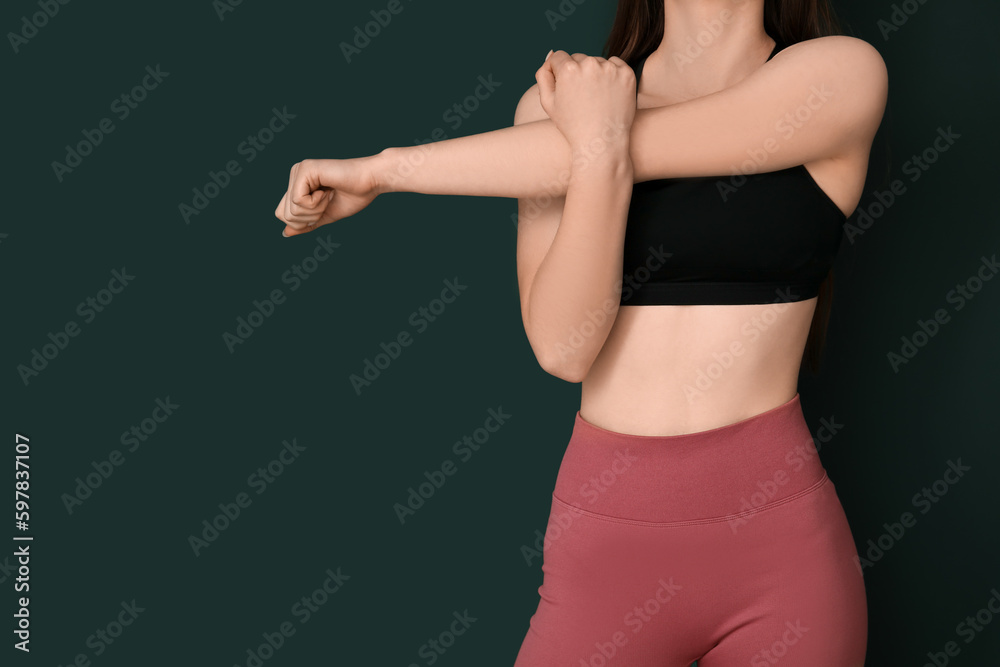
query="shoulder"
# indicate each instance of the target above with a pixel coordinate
(837, 57)
(529, 108)
(851, 67)
(841, 50)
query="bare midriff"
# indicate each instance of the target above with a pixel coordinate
(669, 370)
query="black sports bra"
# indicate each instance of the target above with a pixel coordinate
(763, 238)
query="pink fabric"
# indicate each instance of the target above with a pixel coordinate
(727, 546)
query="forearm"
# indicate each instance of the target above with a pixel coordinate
(576, 290)
(521, 161)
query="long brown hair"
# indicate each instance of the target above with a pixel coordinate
(638, 30)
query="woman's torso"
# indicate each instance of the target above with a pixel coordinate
(666, 370)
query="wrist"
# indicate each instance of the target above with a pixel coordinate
(381, 168)
(603, 160)
(607, 137)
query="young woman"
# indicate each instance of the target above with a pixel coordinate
(680, 206)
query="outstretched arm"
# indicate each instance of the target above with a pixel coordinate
(815, 100)
(823, 98)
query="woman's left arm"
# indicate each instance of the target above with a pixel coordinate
(822, 98)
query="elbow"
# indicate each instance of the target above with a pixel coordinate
(568, 360)
(569, 372)
(564, 365)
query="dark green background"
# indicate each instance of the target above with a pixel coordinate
(332, 507)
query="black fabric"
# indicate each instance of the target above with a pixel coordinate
(765, 237)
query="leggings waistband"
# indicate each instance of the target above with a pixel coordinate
(715, 475)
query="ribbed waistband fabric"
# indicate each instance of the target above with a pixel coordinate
(715, 475)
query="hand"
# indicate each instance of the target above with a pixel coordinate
(588, 97)
(324, 191)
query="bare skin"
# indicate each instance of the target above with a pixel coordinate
(640, 367)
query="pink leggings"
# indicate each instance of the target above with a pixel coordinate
(727, 546)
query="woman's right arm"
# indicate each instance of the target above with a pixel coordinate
(569, 256)
(819, 99)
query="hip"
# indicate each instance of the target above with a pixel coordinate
(712, 475)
